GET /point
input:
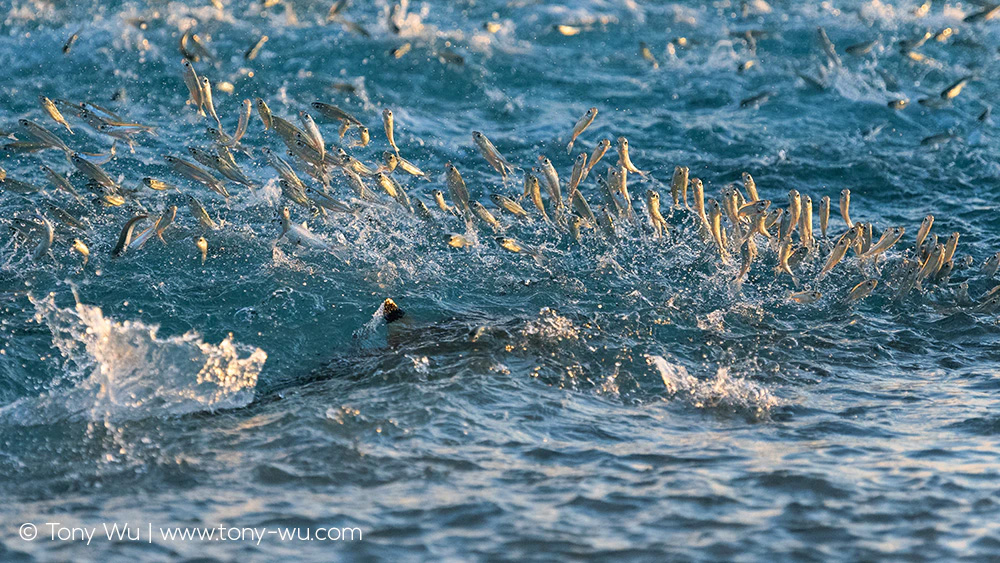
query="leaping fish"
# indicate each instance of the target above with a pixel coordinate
(580, 127)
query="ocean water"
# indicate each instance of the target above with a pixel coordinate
(626, 398)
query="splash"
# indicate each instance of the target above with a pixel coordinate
(720, 392)
(550, 326)
(125, 371)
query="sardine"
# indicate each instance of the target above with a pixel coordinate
(749, 185)
(43, 135)
(581, 126)
(411, 169)
(512, 245)
(656, 219)
(836, 255)
(126, 236)
(805, 297)
(70, 41)
(65, 217)
(241, 126)
(579, 167)
(162, 222)
(363, 137)
(313, 136)
(456, 240)
(253, 51)
(333, 112)
(990, 266)
(925, 229)
(679, 184)
(889, 237)
(510, 206)
(574, 227)
(265, 113)
(828, 48)
(79, 246)
(199, 213)
(439, 200)
(756, 100)
(389, 125)
(845, 207)
(51, 109)
(534, 191)
(485, 216)
(58, 181)
(623, 157)
(824, 214)
(206, 98)
(193, 172)
(950, 245)
(862, 290)
(955, 88)
(456, 186)
(299, 234)
(492, 155)
(602, 147)
(193, 83)
(202, 246)
(581, 207)
(861, 49)
(986, 14)
(94, 172)
(551, 182)
(806, 221)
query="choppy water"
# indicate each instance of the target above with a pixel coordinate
(620, 399)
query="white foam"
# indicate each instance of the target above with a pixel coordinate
(722, 391)
(125, 371)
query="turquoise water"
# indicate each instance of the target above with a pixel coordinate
(616, 398)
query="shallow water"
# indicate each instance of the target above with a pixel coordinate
(621, 400)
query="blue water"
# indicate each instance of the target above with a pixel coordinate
(616, 399)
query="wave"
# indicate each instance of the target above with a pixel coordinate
(125, 371)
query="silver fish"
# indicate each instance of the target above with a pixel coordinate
(43, 135)
(265, 113)
(193, 83)
(624, 158)
(862, 290)
(389, 124)
(50, 108)
(581, 126)
(679, 185)
(126, 236)
(456, 186)
(492, 155)
(199, 213)
(193, 172)
(551, 181)
(206, 98)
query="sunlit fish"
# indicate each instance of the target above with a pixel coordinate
(581, 126)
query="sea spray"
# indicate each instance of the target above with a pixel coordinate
(126, 371)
